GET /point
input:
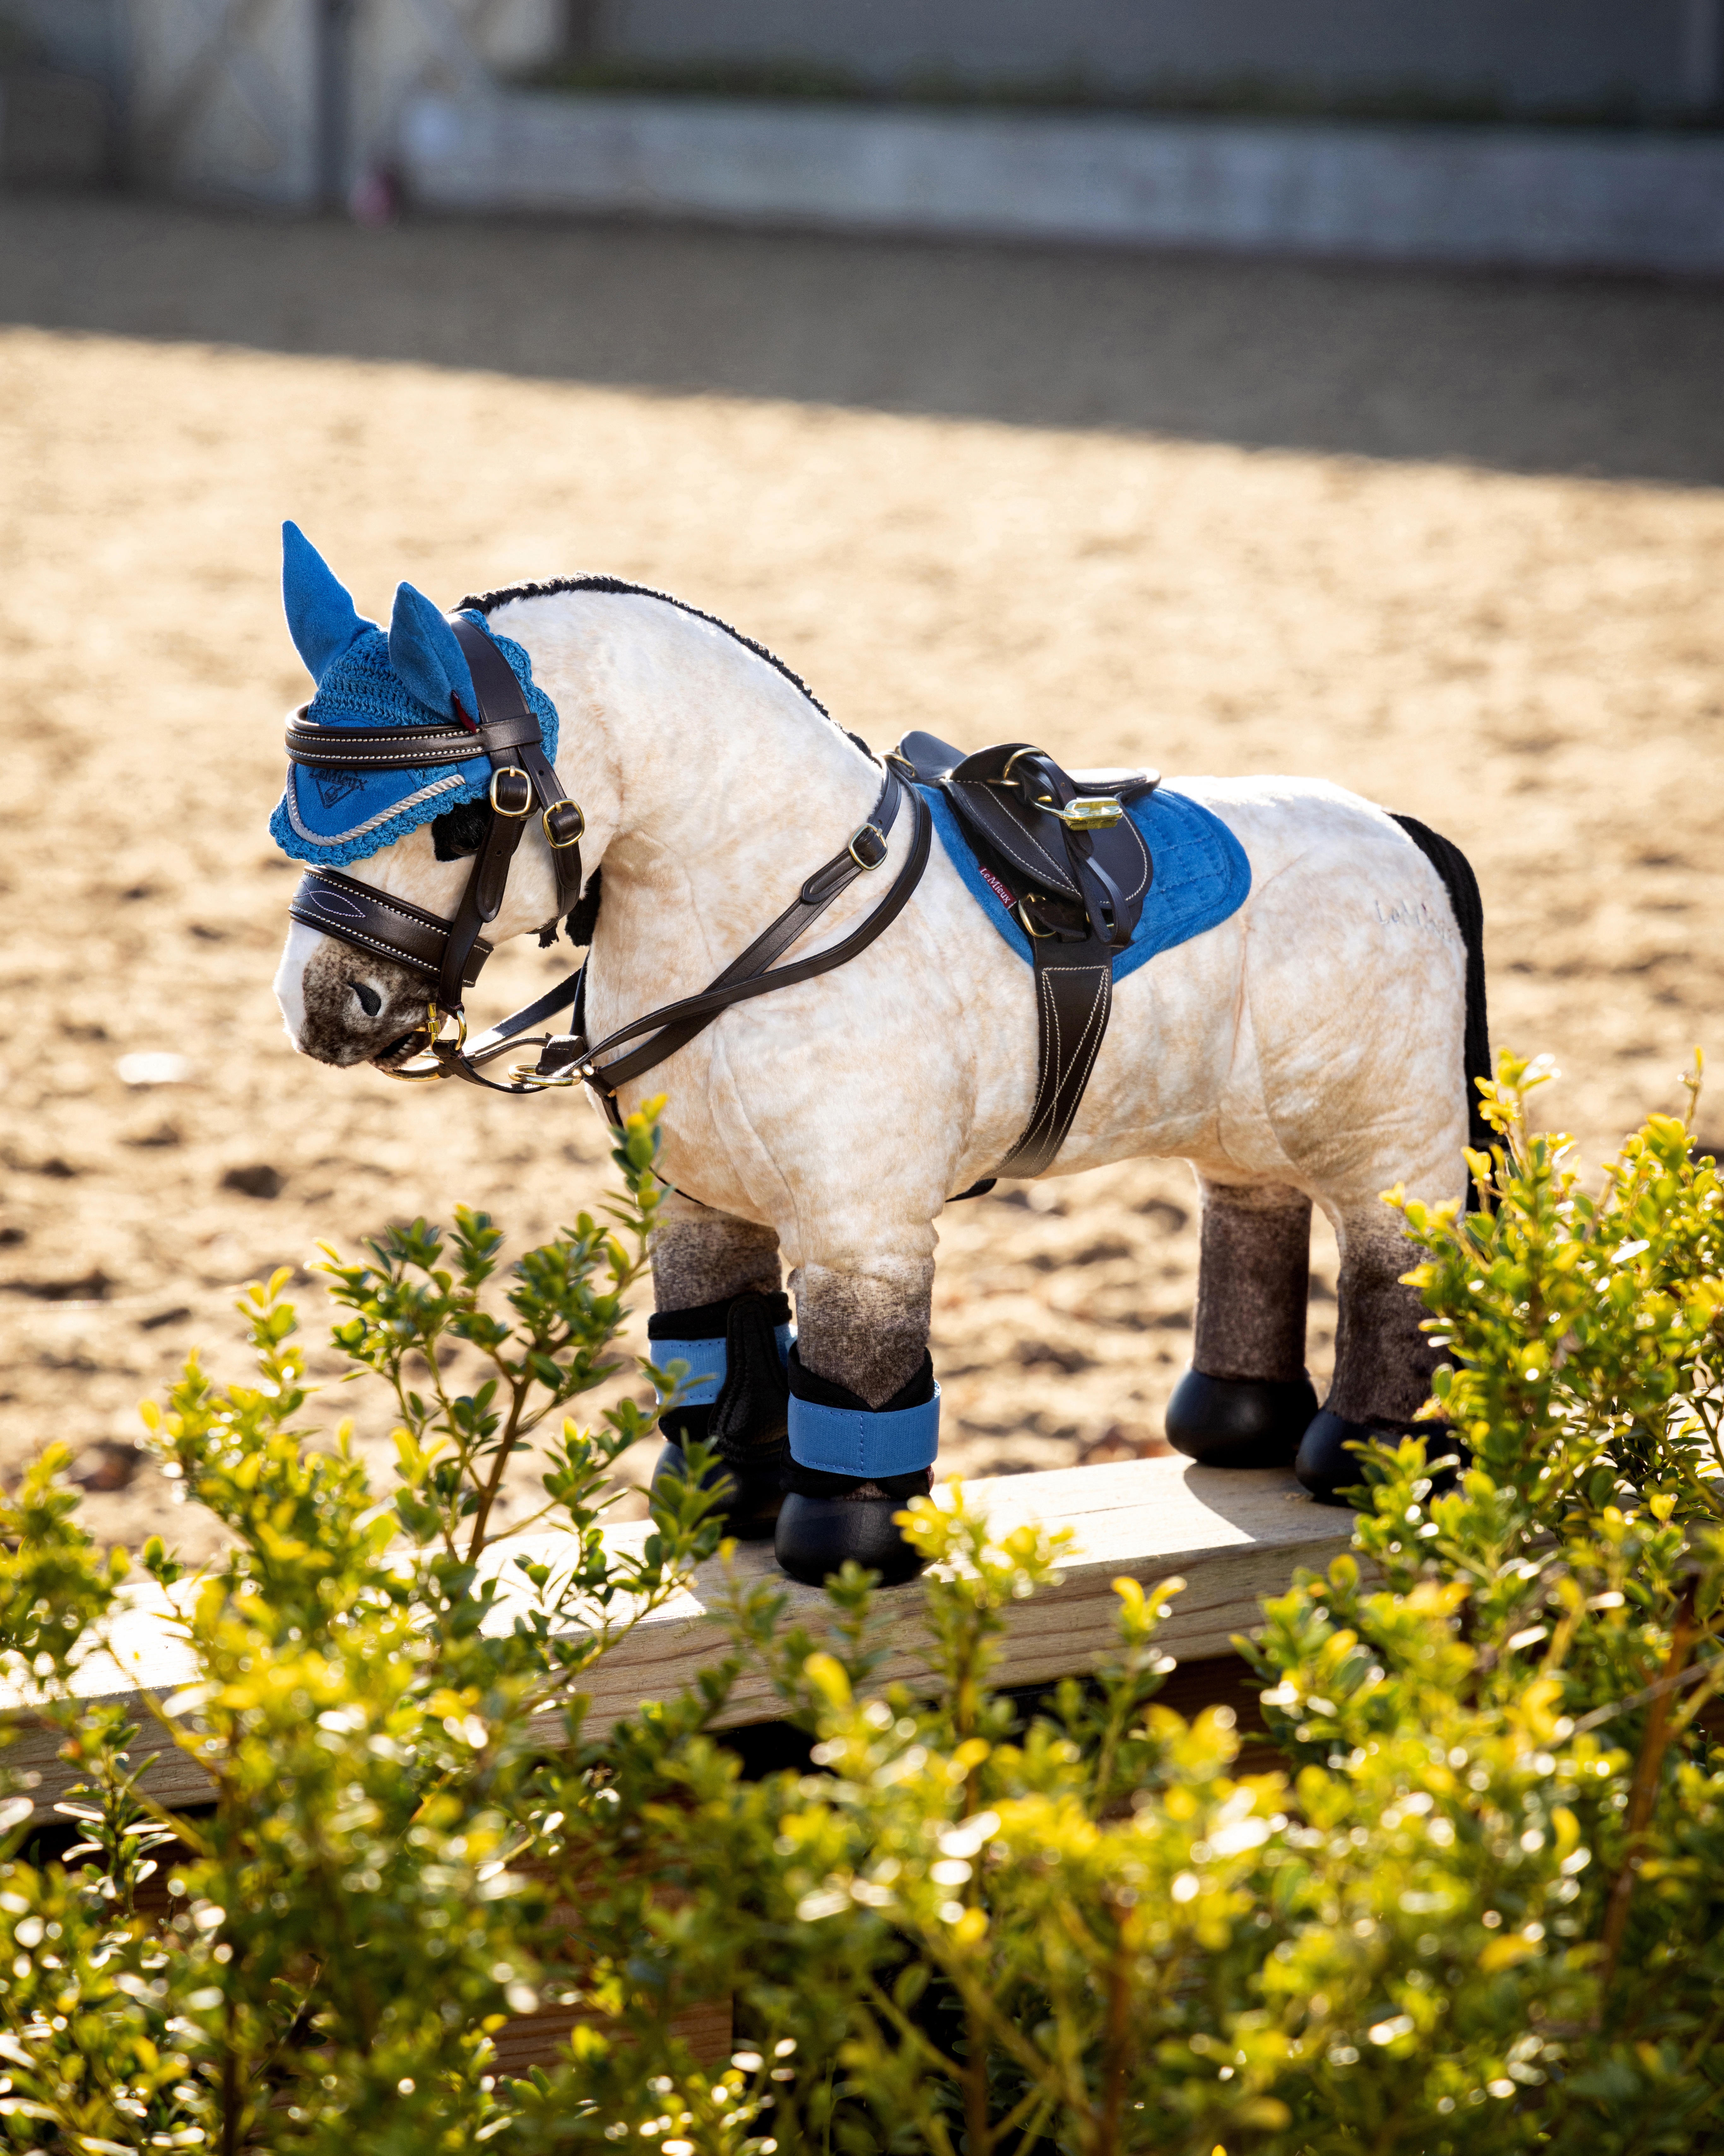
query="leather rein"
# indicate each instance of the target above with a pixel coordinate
(450, 953)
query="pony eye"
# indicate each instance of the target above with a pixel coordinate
(370, 1002)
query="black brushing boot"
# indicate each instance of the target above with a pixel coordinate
(826, 1517)
(1240, 1422)
(742, 1410)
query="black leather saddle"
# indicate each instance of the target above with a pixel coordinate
(1058, 848)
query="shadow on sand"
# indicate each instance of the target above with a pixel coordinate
(1616, 378)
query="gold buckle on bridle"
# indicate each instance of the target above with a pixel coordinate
(555, 844)
(510, 770)
(869, 866)
(434, 1061)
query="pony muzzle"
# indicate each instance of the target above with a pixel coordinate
(435, 1058)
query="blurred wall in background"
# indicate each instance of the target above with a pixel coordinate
(302, 103)
(279, 101)
(1500, 58)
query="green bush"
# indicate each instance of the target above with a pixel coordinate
(1478, 1905)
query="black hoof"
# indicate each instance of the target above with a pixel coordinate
(1324, 1465)
(1239, 1422)
(816, 1534)
(1327, 1468)
(751, 1503)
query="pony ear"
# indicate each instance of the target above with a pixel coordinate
(322, 618)
(425, 655)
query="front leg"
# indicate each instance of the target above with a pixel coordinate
(721, 1310)
(864, 1413)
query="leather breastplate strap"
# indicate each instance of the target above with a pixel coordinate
(1078, 871)
(567, 1057)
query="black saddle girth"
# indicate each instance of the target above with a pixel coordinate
(1075, 869)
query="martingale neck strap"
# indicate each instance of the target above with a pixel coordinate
(568, 1058)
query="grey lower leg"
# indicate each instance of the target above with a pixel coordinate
(1382, 1360)
(867, 1332)
(1252, 1280)
(699, 1256)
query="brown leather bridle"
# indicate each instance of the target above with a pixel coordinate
(450, 953)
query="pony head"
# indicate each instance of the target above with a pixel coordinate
(407, 833)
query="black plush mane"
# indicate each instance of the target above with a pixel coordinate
(461, 830)
(485, 602)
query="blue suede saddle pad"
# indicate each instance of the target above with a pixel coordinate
(1200, 875)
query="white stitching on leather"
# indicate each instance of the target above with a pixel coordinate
(1098, 1011)
(1051, 1021)
(358, 935)
(1062, 873)
(1098, 1005)
(401, 910)
(1144, 877)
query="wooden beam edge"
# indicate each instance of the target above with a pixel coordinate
(1233, 1538)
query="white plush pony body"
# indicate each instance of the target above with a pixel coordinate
(1309, 1049)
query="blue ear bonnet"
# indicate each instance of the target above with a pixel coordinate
(330, 818)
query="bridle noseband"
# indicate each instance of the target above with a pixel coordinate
(450, 953)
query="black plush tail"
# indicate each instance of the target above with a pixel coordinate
(1452, 865)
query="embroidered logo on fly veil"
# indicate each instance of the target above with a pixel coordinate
(336, 786)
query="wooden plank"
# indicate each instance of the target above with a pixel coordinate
(1233, 1537)
(534, 2039)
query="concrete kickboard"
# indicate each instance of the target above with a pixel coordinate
(1543, 198)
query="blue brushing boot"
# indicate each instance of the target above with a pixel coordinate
(736, 1400)
(851, 1468)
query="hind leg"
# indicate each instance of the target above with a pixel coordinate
(1246, 1400)
(721, 1309)
(1382, 1360)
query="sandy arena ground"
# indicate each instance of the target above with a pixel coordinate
(1457, 542)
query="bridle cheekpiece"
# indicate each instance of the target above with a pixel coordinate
(505, 733)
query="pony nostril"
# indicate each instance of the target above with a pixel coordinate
(370, 1002)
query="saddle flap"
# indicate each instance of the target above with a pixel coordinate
(1030, 839)
(1025, 834)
